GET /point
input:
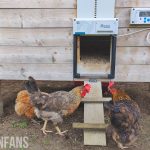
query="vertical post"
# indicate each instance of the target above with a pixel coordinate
(1, 101)
(78, 49)
(94, 113)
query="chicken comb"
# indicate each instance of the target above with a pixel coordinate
(87, 87)
(111, 83)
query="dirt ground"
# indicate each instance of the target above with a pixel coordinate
(13, 125)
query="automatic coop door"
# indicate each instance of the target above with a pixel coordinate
(95, 32)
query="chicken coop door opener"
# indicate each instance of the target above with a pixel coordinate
(95, 30)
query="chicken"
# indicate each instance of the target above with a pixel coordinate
(124, 117)
(54, 106)
(105, 91)
(23, 106)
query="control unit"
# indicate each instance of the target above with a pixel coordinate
(97, 26)
(140, 16)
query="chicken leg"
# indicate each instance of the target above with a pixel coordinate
(132, 141)
(115, 136)
(59, 131)
(34, 121)
(44, 128)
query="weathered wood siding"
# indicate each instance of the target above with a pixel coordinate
(133, 51)
(36, 39)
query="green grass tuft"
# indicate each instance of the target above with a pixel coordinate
(20, 124)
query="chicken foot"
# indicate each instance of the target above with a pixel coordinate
(44, 128)
(115, 136)
(132, 142)
(61, 133)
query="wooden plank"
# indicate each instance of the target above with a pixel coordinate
(89, 126)
(132, 40)
(35, 18)
(36, 37)
(132, 3)
(133, 56)
(92, 137)
(93, 113)
(78, 49)
(123, 14)
(50, 55)
(15, 32)
(38, 4)
(129, 73)
(61, 72)
(132, 73)
(1, 101)
(94, 100)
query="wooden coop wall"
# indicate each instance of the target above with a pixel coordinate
(133, 52)
(36, 39)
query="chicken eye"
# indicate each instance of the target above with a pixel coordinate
(43, 96)
(36, 97)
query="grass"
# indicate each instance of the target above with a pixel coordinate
(20, 124)
(46, 141)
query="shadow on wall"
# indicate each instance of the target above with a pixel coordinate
(9, 89)
(140, 92)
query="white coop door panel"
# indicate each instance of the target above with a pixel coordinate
(85, 8)
(105, 8)
(95, 8)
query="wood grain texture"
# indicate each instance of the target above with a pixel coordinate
(1, 101)
(37, 3)
(133, 56)
(133, 52)
(132, 3)
(36, 37)
(124, 73)
(137, 39)
(39, 71)
(123, 14)
(64, 3)
(1, 107)
(94, 100)
(38, 55)
(132, 73)
(36, 18)
(43, 37)
(94, 113)
(89, 126)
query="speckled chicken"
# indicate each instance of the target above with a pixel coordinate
(124, 117)
(54, 106)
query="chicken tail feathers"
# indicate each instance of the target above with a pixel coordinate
(31, 85)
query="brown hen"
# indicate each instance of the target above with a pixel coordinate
(23, 106)
(124, 117)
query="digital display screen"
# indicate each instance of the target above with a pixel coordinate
(144, 14)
